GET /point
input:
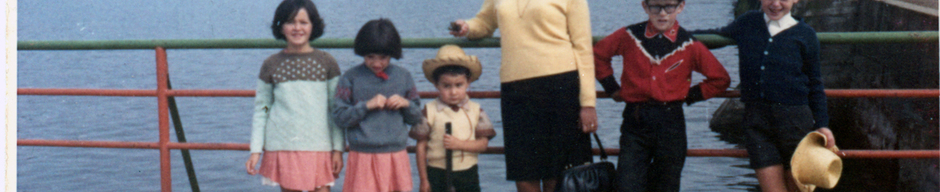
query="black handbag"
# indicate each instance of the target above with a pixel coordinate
(594, 177)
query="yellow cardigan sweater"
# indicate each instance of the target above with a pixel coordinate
(540, 38)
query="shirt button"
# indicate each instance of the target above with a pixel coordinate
(770, 39)
(766, 53)
(761, 67)
(654, 78)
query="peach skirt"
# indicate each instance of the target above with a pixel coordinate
(380, 172)
(297, 170)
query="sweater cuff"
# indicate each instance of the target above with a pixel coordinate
(610, 85)
(361, 108)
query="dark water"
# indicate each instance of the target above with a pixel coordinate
(228, 119)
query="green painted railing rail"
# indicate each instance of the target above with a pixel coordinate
(708, 39)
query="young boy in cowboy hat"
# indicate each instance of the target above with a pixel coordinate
(451, 71)
(658, 60)
(781, 87)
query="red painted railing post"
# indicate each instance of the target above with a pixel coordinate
(166, 183)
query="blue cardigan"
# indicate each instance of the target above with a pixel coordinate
(783, 68)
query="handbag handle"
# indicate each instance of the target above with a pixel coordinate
(599, 145)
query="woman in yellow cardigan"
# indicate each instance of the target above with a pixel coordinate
(547, 85)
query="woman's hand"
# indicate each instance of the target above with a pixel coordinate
(337, 163)
(377, 102)
(396, 102)
(588, 119)
(462, 31)
(252, 161)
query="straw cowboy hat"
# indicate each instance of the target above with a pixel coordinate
(813, 165)
(452, 55)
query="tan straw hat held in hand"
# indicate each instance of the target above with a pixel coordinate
(813, 165)
(452, 55)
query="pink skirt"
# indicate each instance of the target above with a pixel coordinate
(297, 170)
(381, 172)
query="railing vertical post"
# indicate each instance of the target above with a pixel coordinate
(166, 183)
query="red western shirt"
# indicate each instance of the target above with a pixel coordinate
(657, 66)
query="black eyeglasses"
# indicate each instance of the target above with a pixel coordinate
(657, 8)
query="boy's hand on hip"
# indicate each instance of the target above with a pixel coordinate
(377, 102)
(588, 119)
(396, 102)
(616, 96)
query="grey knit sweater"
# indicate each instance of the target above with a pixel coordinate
(375, 131)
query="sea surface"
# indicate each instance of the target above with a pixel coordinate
(228, 119)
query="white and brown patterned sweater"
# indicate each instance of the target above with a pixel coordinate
(292, 104)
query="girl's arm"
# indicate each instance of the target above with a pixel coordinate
(264, 97)
(412, 113)
(337, 135)
(346, 112)
(421, 156)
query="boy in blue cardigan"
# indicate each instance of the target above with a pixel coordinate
(781, 88)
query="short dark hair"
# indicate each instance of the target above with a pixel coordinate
(288, 9)
(378, 37)
(450, 70)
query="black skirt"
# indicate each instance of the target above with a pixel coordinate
(540, 127)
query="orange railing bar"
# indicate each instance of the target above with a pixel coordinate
(163, 92)
(741, 153)
(163, 108)
(831, 93)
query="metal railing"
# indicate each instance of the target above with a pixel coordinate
(163, 92)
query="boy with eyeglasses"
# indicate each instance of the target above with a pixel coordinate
(781, 87)
(658, 60)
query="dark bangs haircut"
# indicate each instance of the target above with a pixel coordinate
(288, 10)
(378, 37)
(450, 70)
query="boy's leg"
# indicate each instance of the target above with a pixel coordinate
(762, 151)
(467, 180)
(670, 150)
(634, 159)
(528, 186)
(771, 178)
(792, 124)
(436, 179)
(773, 131)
